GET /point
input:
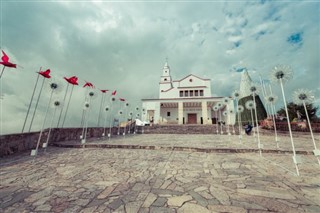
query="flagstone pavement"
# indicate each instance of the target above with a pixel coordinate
(139, 180)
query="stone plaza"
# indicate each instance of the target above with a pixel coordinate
(229, 177)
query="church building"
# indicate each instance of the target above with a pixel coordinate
(186, 101)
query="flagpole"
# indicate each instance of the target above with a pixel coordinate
(65, 114)
(34, 89)
(2, 70)
(65, 95)
(35, 109)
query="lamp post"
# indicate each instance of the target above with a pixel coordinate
(271, 100)
(126, 120)
(220, 105)
(54, 88)
(215, 109)
(240, 109)
(236, 95)
(250, 105)
(254, 90)
(281, 74)
(226, 101)
(304, 96)
(113, 99)
(107, 108)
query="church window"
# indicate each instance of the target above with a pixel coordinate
(186, 93)
(165, 79)
(201, 92)
(181, 93)
(168, 114)
(191, 93)
(190, 80)
(196, 93)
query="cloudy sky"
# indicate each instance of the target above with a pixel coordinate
(124, 45)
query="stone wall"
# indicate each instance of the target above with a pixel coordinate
(15, 143)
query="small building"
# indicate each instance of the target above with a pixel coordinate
(186, 101)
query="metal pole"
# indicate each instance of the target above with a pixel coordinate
(102, 97)
(65, 95)
(83, 110)
(289, 127)
(105, 124)
(2, 71)
(274, 124)
(87, 121)
(314, 143)
(257, 123)
(34, 89)
(35, 109)
(65, 114)
(47, 142)
(221, 132)
(110, 130)
(45, 118)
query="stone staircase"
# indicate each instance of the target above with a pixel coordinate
(187, 129)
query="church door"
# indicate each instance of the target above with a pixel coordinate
(192, 118)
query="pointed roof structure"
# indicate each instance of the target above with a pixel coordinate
(245, 84)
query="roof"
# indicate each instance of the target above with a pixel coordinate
(179, 99)
(204, 79)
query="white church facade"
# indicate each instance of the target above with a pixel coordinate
(186, 101)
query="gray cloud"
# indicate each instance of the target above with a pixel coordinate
(123, 46)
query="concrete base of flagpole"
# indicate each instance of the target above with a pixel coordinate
(44, 145)
(123, 133)
(83, 141)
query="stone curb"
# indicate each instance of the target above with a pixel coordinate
(189, 149)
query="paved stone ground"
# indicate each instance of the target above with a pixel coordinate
(123, 180)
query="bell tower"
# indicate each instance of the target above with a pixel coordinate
(165, 80)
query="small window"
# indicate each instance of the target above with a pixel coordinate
(196, 93)
(165, 79)
(168, 114)
(190, 80)
(201, 92)
(181, 93)
(186, 93)
(191, 93)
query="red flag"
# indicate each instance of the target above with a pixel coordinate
(72, 80)
(45, 74)
(104, 90)
(5, 61)
(88, 84)
(114, 92)
(122, 99)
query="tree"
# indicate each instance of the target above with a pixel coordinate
(294, 110)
